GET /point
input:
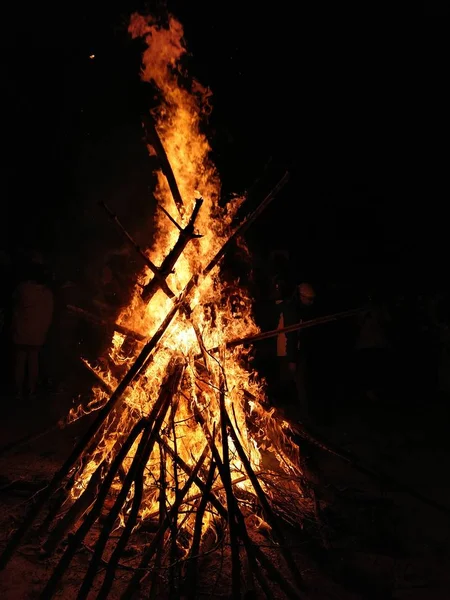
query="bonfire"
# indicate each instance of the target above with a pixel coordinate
(184, 456)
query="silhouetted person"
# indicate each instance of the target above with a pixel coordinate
(32, 316)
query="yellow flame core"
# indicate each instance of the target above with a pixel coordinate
(215, 312)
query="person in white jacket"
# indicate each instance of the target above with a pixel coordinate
(32, 316)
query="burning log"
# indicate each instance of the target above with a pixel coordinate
(186, 235)
(158, 277)
(155, 142)
(161, 515)
(231, 501)
(174, 572)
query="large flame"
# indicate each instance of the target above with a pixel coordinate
(218, 315)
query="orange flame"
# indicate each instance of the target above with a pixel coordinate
(178, 121)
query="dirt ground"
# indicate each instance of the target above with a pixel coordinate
(376, 540)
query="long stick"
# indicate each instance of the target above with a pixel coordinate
(251, 339)
(155, 582)
(251, 218)
(153, 268)
(155, 141)
(174, 569)
(251, 548)
(231, 501)
(372, 473)
(191, 577)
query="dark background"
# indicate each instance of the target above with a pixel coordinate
(290, 92)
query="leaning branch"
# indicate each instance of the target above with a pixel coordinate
(154, 141)
(169, 262)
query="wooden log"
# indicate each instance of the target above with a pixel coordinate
(191, 576)
(154, 141)
(253, 552)
(166, 268)
(153, 268)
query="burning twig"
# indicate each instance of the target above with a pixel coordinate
(191, 577)
(253, 552)
(169, 216)
(175, 568)
(158, 277)
(231, 501)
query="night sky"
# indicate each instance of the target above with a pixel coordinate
(318, 101)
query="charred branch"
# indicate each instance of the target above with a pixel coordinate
(166, 268)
